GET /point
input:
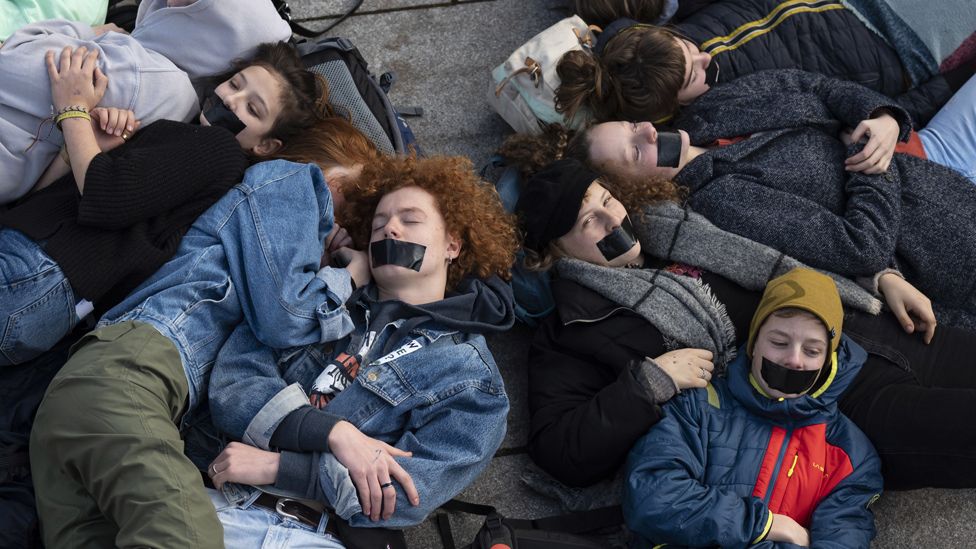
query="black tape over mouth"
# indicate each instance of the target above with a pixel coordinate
(668, 149)
(217, 114)
(618, 242)
(397, 252)
(787, 380)
(711, 74)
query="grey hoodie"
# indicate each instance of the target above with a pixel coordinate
(150, 72)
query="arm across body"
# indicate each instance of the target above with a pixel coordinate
(274, 244)
(665, 497)
(859, 241)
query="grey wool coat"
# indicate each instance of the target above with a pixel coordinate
(785, 186)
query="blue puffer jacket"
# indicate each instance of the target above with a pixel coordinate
(725, 458)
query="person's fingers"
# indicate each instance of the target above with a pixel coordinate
(101, 83)
(65, 59)
(52, 69)
(389, 499)
(375, 495)
(703, 353)
(78, 58)
(406, 482)
(929, 332)
(89, 61)
(859, 131)
(901, 313)
(115, 128)
(361, 483)
(394, 451)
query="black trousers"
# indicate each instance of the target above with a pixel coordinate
(916, 402)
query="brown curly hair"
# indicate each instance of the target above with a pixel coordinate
(530, 153)
(637, 77)
(604, 12)
(471, 209)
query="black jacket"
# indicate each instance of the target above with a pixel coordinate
(821, 36)
(586, 403)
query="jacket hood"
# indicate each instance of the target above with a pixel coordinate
(810, 408)
(478, 306)
(203, 38)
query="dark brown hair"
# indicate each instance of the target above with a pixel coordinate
(304, 94)
(471, 209)
(604, 12)
(637, 77)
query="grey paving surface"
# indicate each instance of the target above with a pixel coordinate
(442, 51)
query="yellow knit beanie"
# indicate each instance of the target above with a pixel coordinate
(801, 289)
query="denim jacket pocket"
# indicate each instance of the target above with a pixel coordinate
(196, 321)
(387, 382)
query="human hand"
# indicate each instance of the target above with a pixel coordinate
(907, 303)
(77, 80)
(372, 469)
(337, 238)
(354, 261)
(108, 27)
(786, 529)
(882, 133)
(244, 464)
(688, 368)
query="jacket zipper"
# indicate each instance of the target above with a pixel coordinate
(779, 465)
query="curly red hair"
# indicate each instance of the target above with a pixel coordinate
(471, 209)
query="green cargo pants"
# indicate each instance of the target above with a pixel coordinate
(106, 453)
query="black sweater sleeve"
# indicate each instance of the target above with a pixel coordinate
(162, 166)
(587, 401)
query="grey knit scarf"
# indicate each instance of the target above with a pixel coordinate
(681, 307)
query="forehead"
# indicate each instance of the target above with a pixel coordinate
(262, 80)
(407, 198)
(686, 52)
(800, 325)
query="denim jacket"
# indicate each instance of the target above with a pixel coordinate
(254, 256)
(437, 394)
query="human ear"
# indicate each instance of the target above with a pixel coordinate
(453, 247)
(267, 147)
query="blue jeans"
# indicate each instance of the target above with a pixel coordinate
(37, 305)
(950, 137)
(247, 526)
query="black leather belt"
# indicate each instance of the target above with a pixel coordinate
(295, 510)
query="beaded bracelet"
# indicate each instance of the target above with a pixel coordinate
(71, 112)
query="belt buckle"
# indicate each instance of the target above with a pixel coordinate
(281, 509)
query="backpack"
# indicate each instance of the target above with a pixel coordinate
(523, 88)
(355, 92)
(602, 528)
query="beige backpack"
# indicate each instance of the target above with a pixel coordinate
(523, 88)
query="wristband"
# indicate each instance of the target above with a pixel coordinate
(71, 112)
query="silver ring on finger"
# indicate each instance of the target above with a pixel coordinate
(703, 373)
(213, 467)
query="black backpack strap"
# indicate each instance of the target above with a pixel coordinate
(284, 10)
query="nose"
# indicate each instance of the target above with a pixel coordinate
(647, 131)
(392, 230)
(704, 59)
(794, 358)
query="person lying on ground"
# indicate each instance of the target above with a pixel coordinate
(641, 71)
(156, 72)
(390, 421)
(763, 457)
(767, 157)
(112, 208)
(644, 313)
(134, 384)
